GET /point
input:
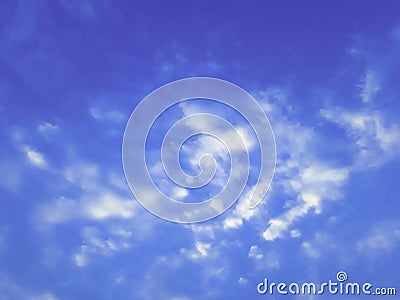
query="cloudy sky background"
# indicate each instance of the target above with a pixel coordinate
(71, 73)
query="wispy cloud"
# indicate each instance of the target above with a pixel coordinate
(320, 244)
(9, 289)
(241, 212)
(376, 139)
(200, 250)
(94, 244)
(381, 237)
(263, 259)
(47, 128)
(304, 176)
(295, 233)
(255, 253)
(104, 114)
(370, 86)
(97, 201)
(34, 157)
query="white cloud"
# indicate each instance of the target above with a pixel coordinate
(254, 252)
(276, 228)
(295, 233)
(317, 183)
(241, 211)
(109, 205)
(310, 250)
(123, 233)
(231, 222)
(95, 244)
(11, 290)
(304, 177)
(47, 128)
(383, 236)
(312, 201)
(58, 211)
(200, 250)
(307, 180)
(326, 244)
(202, 230)
(370, 86)
(85, 175)
(242, 280)
(316, 174)
(205, 124)
(376, 138)
(97, 201)
(100, 205)
(179, 193)
(103, 114)
(80, 259)
(263, 259)
(273, 99)
(35, 157)
(230, 167)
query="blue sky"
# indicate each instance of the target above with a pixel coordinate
(72, 72)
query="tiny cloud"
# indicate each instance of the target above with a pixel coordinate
(102, 114)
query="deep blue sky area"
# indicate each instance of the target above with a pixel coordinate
(326, 75)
